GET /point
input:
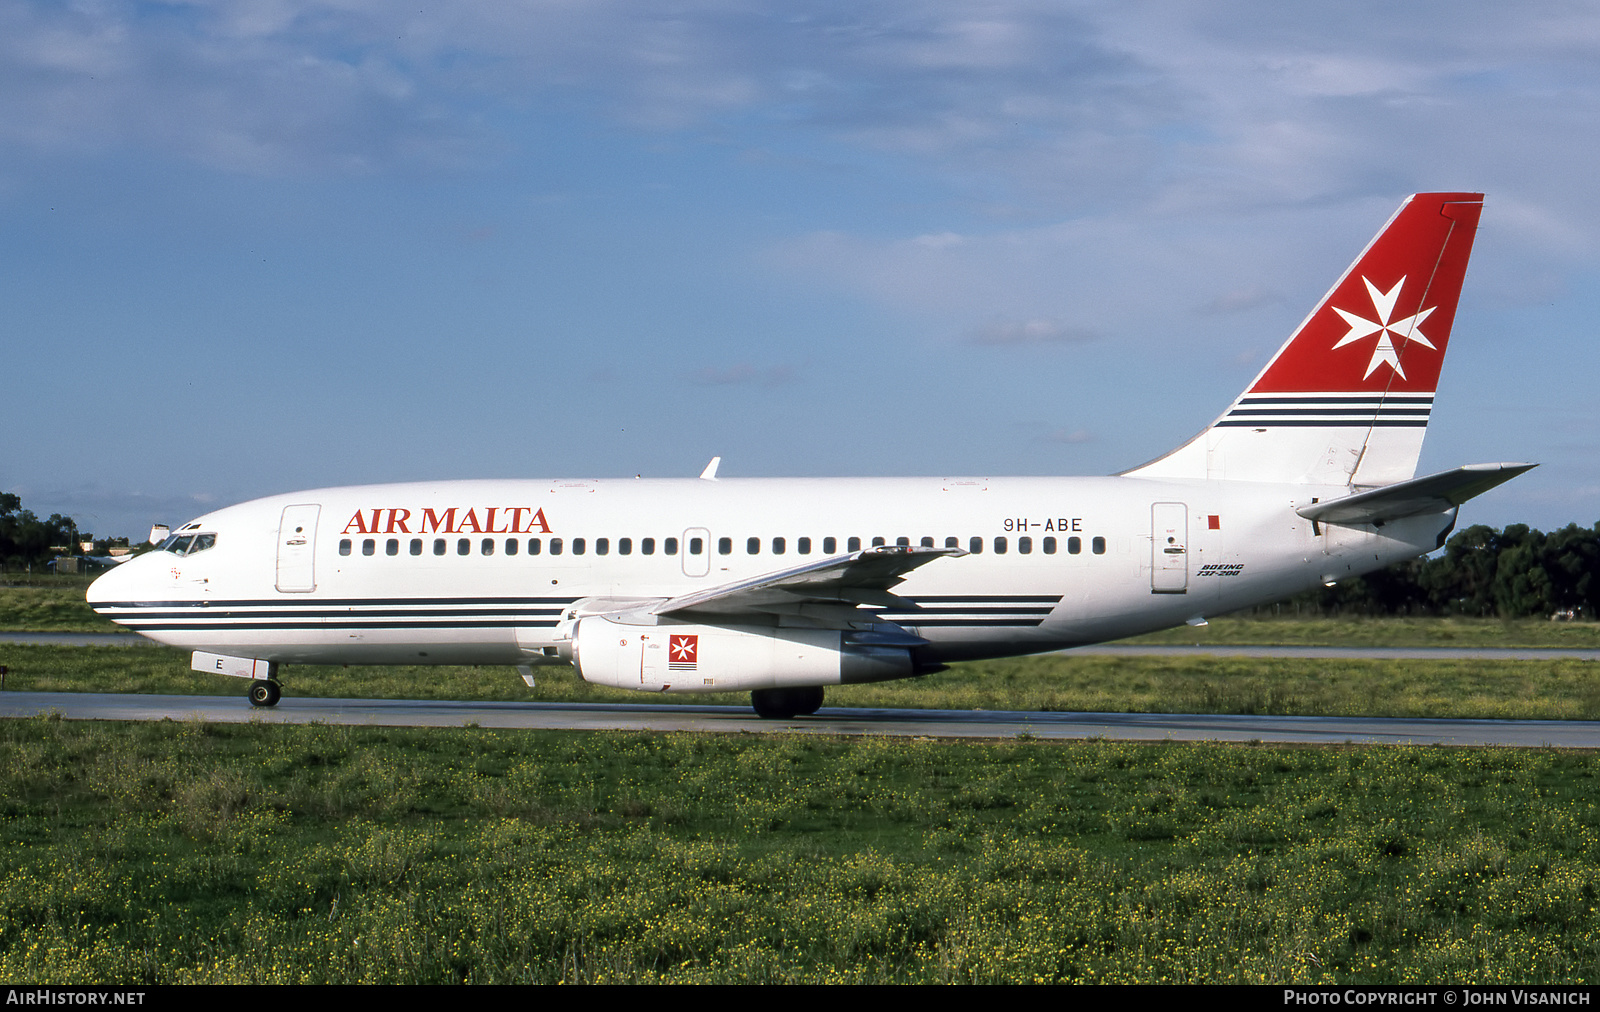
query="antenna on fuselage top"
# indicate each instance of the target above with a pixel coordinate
(710, 473)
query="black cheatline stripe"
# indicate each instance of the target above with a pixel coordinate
(966, 611)
(226, 626)
(333, 602)
(1329, 423)
(1374, 399)
(1340, 412)
(1029, 623)
(229, 613)
(983, 599)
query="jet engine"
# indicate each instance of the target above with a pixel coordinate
(704, 658)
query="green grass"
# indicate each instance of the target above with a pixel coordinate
(49, 604)
(1534, 690)
(188, 853)
(1359, 631)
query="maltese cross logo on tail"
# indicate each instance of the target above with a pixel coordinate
(682, 651)
(1408, 329)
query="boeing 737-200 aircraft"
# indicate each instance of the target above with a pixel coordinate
(781, 587)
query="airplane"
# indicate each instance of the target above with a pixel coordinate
(781, 587)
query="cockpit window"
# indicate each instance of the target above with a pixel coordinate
(188, 544)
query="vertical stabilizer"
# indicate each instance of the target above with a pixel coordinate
(1346, 400)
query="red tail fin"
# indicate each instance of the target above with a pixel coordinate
(1384, 327)
(1346, 400)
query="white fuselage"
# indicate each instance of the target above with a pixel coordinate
(469, 572)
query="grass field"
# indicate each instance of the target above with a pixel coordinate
(184, 852)
(187, 852)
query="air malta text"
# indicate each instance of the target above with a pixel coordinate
(454, 520)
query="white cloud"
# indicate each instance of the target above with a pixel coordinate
(1028, 332)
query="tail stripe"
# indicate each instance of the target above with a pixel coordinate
(1352, 409)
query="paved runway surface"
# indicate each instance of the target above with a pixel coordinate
(831, 720)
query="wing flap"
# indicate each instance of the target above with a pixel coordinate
(1434, 493)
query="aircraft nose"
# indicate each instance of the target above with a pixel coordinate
(120, 584)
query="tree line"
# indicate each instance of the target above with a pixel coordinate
(26, 540)
(1518, 572)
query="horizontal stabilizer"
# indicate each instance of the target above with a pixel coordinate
(1434, 493)
(858, 578)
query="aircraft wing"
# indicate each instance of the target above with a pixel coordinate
(842, 581)
(1434, 493)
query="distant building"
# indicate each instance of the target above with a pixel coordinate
(158, 533)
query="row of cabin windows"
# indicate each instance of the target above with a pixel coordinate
(696, 546)
(752, 546)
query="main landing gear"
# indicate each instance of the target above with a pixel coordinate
(264, 692)
(781, 704)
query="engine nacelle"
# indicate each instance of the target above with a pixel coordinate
(703, 658)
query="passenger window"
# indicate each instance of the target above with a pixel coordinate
(602, 546)
(952, 542)
(830, 545)
(903, 542)
(392, 547)
(877, 542)
(416, 546)
(1049, 546)
(853, 545)
(344, 546)
(648, 546)
(438, 546)
(696, 546)
(579, 546)
(368, 546)
(555, 546)
(511, 546)
(1025, 546)
(488, 546)
(1099, 545)
(752, 546)
(534, 545)
(999, 546)
(624, 546)
(724, 546)
(777, 546)
(1074, 546)
(803, 546)
(975, 546)
(670, 546)
(927, 542)
(464, 546)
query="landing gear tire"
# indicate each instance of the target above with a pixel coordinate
(781, 704)
(264, 693)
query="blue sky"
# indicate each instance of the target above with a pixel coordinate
(253, 247)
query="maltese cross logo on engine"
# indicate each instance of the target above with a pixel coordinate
(1408, 329)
